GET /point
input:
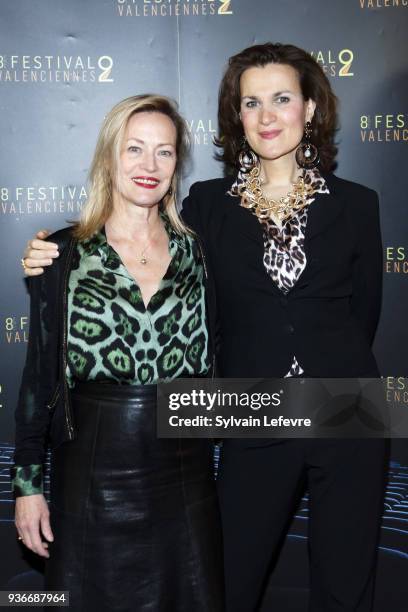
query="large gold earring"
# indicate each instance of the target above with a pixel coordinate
(307, 154)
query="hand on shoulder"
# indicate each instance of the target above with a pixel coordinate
(39, 253)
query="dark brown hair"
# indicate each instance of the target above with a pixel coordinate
(313, 83)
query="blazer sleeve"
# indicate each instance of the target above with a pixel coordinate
(194, 215)
(32, 414)
(190, 212)
(368, 266)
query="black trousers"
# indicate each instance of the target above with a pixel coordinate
(260, 484)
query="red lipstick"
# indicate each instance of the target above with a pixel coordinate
(148, 182)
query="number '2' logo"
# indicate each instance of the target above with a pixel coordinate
(224, 8)
(346, 57)
(105, 63)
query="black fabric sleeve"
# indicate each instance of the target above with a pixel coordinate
(368, 266)
(190, 212)
(32, 415)
(193, 215)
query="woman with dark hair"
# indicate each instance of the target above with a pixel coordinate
(296, 258)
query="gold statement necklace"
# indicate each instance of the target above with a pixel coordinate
(286, 207)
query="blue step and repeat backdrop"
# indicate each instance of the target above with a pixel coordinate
(64, 64)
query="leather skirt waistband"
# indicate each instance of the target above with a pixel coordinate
(107, 392)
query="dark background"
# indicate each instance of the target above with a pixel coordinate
(63, 65)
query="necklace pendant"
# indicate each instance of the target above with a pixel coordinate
(143, 261)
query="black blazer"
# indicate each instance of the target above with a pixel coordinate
(328, 320)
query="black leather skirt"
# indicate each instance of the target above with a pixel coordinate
(135, 518)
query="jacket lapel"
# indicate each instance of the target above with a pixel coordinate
(243, 220)
(323, 211)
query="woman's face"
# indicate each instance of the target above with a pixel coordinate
(147, 160)
(273, 111)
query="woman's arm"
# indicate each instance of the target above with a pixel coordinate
(32, 422)
(190, 212)
(368, 266)
(32, 415)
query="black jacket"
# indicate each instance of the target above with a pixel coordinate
(43, 392)
(43, 409)
(329, 318)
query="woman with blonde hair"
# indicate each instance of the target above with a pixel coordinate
(132, 522)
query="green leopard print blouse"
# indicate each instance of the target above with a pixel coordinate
(112, 336)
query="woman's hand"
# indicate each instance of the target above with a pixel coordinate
(32, 520)
(38, 254)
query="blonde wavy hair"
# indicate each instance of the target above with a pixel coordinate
(103, 170)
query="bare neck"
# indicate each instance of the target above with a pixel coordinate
(280, 173)
(133, 223)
